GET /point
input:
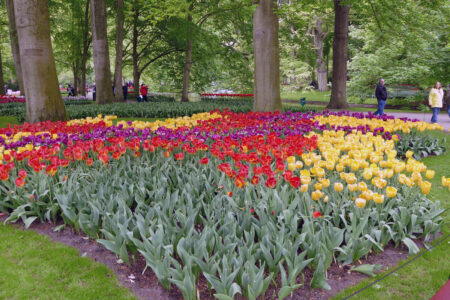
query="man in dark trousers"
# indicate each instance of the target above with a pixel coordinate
(144, 92)
(381, 95)
(125, 91)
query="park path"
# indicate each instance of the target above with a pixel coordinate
(443, 119)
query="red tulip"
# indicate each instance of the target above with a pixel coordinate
(239, 182)
(255, 180)
(179, 156)
(295, 182)
(20, 182)
(317, 214)
(89, 162)
(204, 161)
(23, 174)
(271, 182)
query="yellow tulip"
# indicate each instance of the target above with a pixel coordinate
(416, 177)
(304, 188)
(338, 187)
(362, 186)
(299, 164)
(429, 174)
(360, 202)
(367, 174)
(318, 186)
(330, 165)
(305, 179)
(391, 192)
(340, 167)
(291, 159)
(425, 187)
(377, 198)
(325, 199)
(409, 154)
(444, 181)
(316, 195)
(292, 166)
(352, 187)
(325, 182)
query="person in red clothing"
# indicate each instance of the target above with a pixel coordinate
(144, 92)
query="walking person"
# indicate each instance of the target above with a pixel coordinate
(381, 95)
(435, 100)
(144, 92)
(125, 91)
(447, 98)
(94, 92)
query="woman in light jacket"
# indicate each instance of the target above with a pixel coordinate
(435, 100)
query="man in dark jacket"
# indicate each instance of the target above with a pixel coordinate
(381, 95)
(125, 91)
(447, 98)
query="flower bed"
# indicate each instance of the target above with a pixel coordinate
(240, 198)
(11, 99)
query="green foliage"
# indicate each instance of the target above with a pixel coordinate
(423, 145)
(184, 223)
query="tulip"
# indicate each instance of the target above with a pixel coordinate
(325, 182)
(20, 182)
(338, 187)
(179, 156)
(295, 182)
(409, 154)
(325, 199)
(377, 198)
(391, 192)
(316, 214)
(203, 161)
(239, 182)
(362, 186)
(23, 174)
(429, 174)
(316, 195)
(367, 174)
(352, 187)
(89, 162)
(271, 182)
(360, 202)
(304, 188)
(425, 187)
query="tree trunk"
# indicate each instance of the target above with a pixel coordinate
(84, 56)
(15, 44)
(38, 63)
(136, 75)
(101, 53)
(119, 52)
(188, 64)
(319, 35)
(75, 79)
(2, 83)
(340, 53)
(267, 57)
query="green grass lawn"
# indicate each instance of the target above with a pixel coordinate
(4, 121)
(34, 267)
(321, 96)
(422, 278)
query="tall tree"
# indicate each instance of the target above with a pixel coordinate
(101, 53)
(340, 55)
(188, 64)
(267, 57)
(15, 43)
(322, 73)
(119, 51)
(44, 100)
(2, 83)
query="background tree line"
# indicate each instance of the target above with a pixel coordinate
(204, 45)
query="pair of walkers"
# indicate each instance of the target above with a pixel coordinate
(436, 99)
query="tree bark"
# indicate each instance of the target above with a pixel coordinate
(101, 53)
(15, 44)
(340, 54)
(41, 85)
(119, 51)
(321, 71)
(188, 64)
(86, 44)
(267, 57)
(136, 75)
(2, 83)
